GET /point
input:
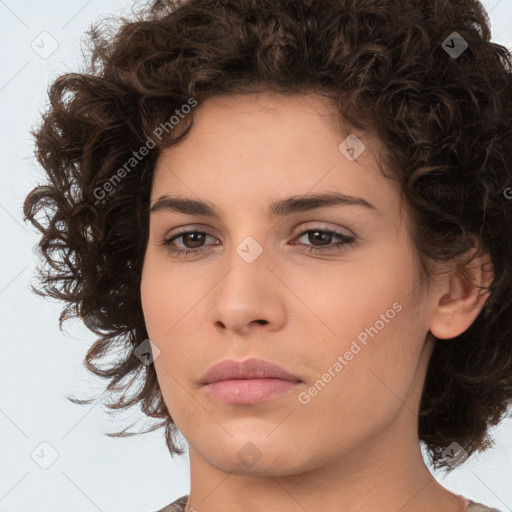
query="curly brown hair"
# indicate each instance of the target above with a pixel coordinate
(445, 119)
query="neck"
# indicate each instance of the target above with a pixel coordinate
(386, 472)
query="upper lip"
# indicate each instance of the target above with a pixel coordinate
(248, 369)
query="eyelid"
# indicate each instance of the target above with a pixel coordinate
(312, 225)
(186, 228)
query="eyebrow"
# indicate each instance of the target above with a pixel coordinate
(294, 204)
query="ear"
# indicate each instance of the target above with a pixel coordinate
(458, 299)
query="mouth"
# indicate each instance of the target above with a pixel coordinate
(249, 391)
(248, 382)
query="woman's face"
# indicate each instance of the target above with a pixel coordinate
(345, 318)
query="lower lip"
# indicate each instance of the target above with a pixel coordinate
(249, 391)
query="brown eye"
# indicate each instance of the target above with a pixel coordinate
(325, 237)
(195, 239)
(321, 240)
(193, 242)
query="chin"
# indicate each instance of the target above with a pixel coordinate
(255, 458)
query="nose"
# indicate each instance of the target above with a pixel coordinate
(249, 296)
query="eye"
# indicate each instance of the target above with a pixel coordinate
(194, 238)
(193, 241)
(325, 237)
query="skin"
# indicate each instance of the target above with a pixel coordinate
(298, 309)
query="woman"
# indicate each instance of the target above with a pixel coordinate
(295, 215)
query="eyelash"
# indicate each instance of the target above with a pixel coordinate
(345, 241)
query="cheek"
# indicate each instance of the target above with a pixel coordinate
(375, 324)
(358, 300)
(152, 299)
(169, 300)
(360, 386)
(168, 295)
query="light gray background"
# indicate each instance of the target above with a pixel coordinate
(39, 365)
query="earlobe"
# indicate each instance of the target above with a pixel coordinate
(461, 297)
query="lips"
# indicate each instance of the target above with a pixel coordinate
(248, 369)
(248, 382)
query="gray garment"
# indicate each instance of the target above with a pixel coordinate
(179, 506)
(474, 507)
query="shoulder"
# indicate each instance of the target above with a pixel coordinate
(179, 505)
(478, 507)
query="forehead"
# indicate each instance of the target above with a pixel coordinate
(257, 148)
